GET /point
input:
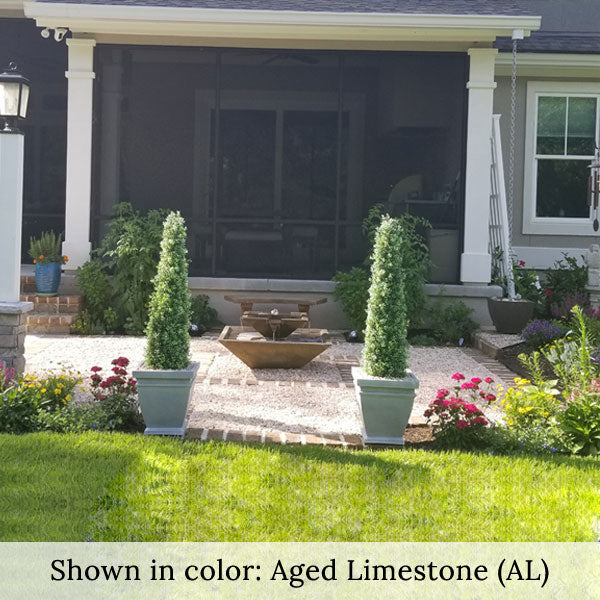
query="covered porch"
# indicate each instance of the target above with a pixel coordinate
(275, 132)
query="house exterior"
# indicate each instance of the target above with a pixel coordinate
(275, 125)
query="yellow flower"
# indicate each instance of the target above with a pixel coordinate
(68, 397)
(57, 391)
(521, 410)
(529, 408)
(43, 390)
(546, 414)
(510, 422)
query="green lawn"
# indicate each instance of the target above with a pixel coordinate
(119, 487)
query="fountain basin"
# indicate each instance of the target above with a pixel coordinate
(294, 352)
(287, 322)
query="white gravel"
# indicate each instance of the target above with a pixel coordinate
(265, 406)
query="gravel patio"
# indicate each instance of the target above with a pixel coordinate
(310, 405)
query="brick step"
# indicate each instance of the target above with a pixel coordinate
(28, 284)
(54, 305)
(57, 324)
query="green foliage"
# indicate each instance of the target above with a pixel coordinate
(203, 315)
(571, 357)
(98, 317)
(23, 398)
(47, 249)
(581, 421)
(422, 339)
(527, 285)
(565, 279)
(169, 321)
(386, 348)
(132, 249)
(451, 321)
(352, 289)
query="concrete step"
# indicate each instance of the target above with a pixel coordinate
(54, 304)
(59, 324)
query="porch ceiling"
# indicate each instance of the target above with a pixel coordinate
(192, 23)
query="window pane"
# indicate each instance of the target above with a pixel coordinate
(247, 163)
(562, 188)
(582, 126)
(552, 113)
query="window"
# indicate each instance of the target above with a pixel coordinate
(562, 133)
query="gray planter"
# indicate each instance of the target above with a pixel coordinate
(164, 396)
(510, 316)
(385, 406)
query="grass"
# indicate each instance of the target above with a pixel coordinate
(130, 488)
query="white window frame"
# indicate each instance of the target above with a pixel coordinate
(533, 224)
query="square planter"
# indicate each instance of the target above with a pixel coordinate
(385, 406)
(164, 396)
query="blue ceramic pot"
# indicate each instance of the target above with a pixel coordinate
(47, 278)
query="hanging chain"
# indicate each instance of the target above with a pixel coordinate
(511, 142)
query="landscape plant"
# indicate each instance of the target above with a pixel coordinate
(541, 332)
(451, 322)
(580, 420)
(565, 279)
(386, 348)
(47, 249)
(352, 289)
(169, 314)
(456, 420)
(203, 315)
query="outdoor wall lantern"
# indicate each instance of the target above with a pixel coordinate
(14, 96)
(594, 187)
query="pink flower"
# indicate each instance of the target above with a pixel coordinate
(468, 386)
(479, 421)
(476, 380)
(462, 424)
(458, 377)
(121, 361)
(490, 398)
(522, 263)
(96, 369)
(443, 392)
(428, 413)
(489, 380)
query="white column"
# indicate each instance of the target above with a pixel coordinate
(81, 75)
(11, 209)
(476, 262)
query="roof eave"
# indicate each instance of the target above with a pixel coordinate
(221, 23)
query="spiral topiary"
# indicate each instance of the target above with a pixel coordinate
(169, 313)
(386, 347)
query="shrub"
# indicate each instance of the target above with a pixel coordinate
(455, 418)
(581, 420)
(169, 321)
(451, 322)
(203, 315)
(97, 317)
(132, 249)
(46, 249)
(527, 285)
(386, 348)
(352, 289)
(564, 308)
(566, 278)
(541, 332)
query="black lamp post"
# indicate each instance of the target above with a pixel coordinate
(14, 96)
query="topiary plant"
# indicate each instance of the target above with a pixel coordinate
(386, 347)
(169, 321)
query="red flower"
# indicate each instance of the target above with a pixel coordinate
(489, 380)
(476, 380)
(458, 377)
(522, 263)
(549, 293)
(96, 369)
(121, 361)
(468, 385)
(479, 421)
(490, 398)
(462, 424)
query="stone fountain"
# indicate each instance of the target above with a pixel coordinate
(274, 340)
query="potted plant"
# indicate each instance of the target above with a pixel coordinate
(385, 386)
(512, 312)
(166, 377)
(48, 261)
